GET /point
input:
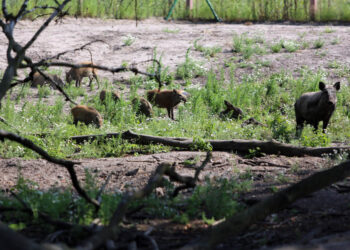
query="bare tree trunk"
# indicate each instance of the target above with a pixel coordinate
(285, 10)
(313, 9)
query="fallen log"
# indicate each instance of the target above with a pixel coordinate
(236, 145)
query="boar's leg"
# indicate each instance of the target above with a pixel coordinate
(95, 76)
(169, 112)
(325, 124)
(300, 126)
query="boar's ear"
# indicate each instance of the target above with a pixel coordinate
(174, 90)
(337, 85)
(228, 104)
(321, 85)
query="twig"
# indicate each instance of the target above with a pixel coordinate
(46, 23)
(152, 242)
(189, 182)
(47, 78)
(100, 192)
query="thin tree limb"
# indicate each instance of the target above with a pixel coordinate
(69, 165)
(46, 23)
(47, 78)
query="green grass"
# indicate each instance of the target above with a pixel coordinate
(228, 10)
(216, 199)
(260, 97)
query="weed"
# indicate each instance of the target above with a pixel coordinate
(328, 30)
(128, 40)
(276, 48)
(190, 68)
(207, 51)
(318, 43)
(173, 31)
(335, 41)
(290, 46)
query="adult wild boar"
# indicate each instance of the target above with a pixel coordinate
(313, 107)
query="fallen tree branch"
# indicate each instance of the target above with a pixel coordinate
(276, 202)
(188, 182)
(237, 145)
(69, 165)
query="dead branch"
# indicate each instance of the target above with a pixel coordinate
(276, 202)
(237, 145)
(100, 67)
(69, 165)
(188, 182)
(49, 79)
(100, 192)
(111, 232)
(71, 51)
(15, 52)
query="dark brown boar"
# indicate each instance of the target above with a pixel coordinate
(143, 106)
(231, 111)
(77, 74)
(114, 94)
(313, 107)
(87, 115)
(168, 99)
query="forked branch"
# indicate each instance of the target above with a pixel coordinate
(69, 165)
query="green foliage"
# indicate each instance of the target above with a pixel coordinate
(128, 40)
(311, 139)
(216, 199)
(318, 43)
(228, 10)
(207, 51)
(190, 68)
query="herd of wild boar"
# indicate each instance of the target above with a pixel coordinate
(310, 108)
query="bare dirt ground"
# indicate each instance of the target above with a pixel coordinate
(307, 223)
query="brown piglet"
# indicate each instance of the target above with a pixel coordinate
(143, 106)
(87, 115)
(114, 94)
(168, 99)
(77, 74)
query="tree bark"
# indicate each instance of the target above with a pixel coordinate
(313, 9)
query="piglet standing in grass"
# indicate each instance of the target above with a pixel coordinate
(87, 115)
(313, 107)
